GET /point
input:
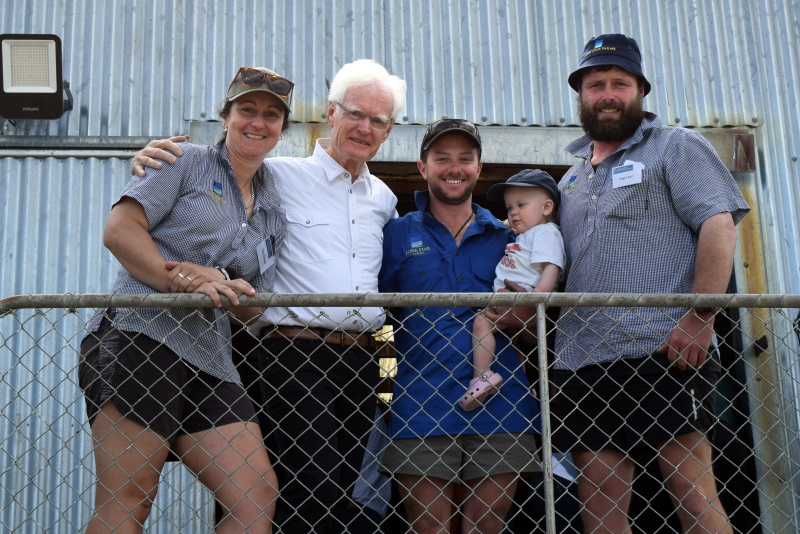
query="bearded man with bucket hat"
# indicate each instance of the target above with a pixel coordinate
(646, 209)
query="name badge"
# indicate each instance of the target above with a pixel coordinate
(266, 254)
(627, 174)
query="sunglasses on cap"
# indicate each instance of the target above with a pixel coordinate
(448, 126)
(256, 79)
(443, 125)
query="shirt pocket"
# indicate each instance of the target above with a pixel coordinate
(308, 236)
(422, 274)
(370, 247)
(636, 201)
(484, 270)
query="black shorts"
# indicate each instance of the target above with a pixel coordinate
(631, 404)
(151, 385)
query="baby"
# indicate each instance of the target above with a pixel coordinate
(534, 261)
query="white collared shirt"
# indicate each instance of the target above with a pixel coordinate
(334, 239)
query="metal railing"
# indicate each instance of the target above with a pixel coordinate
(47, 471)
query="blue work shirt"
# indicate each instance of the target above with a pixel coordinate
(434, 344)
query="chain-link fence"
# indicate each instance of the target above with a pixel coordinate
(47, 454)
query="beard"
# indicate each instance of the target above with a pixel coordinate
(608, 130)
(447, 198)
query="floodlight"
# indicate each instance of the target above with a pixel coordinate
(31, 86)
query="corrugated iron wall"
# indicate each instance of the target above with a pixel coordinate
(150, 67)
(147, 67)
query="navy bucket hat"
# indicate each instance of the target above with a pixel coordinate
(610, 49)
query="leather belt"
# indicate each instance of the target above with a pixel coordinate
(341, 338)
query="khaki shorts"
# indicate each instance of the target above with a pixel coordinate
(462, 458)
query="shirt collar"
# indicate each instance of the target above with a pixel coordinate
(582, 147)
(333, 170)
(484, 217)
(261, 173)
(222, 154)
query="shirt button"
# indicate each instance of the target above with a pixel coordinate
(308, 222)
(444, 232)
(356, 288)
(355, 322)
(354, 221)
(244, 225)
(594, 197)
(347, 175)
(462, 276)
(422, 272)
(351, 191)
(354, 254)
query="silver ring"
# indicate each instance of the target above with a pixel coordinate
(180, 275)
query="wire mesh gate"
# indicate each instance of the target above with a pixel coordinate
(47, 471)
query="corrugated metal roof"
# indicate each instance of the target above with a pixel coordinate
(148, 67)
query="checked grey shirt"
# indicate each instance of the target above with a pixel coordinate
(196, 214)
(636, 238)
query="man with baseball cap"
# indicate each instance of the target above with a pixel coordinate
(646, 209)
(451, 245)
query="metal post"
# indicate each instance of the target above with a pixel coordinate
(544, 417)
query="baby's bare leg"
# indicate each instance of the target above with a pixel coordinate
(483, 345)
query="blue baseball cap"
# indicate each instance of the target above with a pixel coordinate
(527, 178)
(610, 49)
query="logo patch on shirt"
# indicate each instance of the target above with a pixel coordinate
(216, 193)
(417, 247)
(571, 184)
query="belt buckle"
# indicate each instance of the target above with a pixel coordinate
(345, 340)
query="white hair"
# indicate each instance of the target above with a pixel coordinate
(363, 72)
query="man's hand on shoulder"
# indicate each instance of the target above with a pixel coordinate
(155, 152)
(519, 315)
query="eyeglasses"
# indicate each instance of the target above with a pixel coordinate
(377, 122)
(255, 78)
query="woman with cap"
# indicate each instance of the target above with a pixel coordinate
(162, 380)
